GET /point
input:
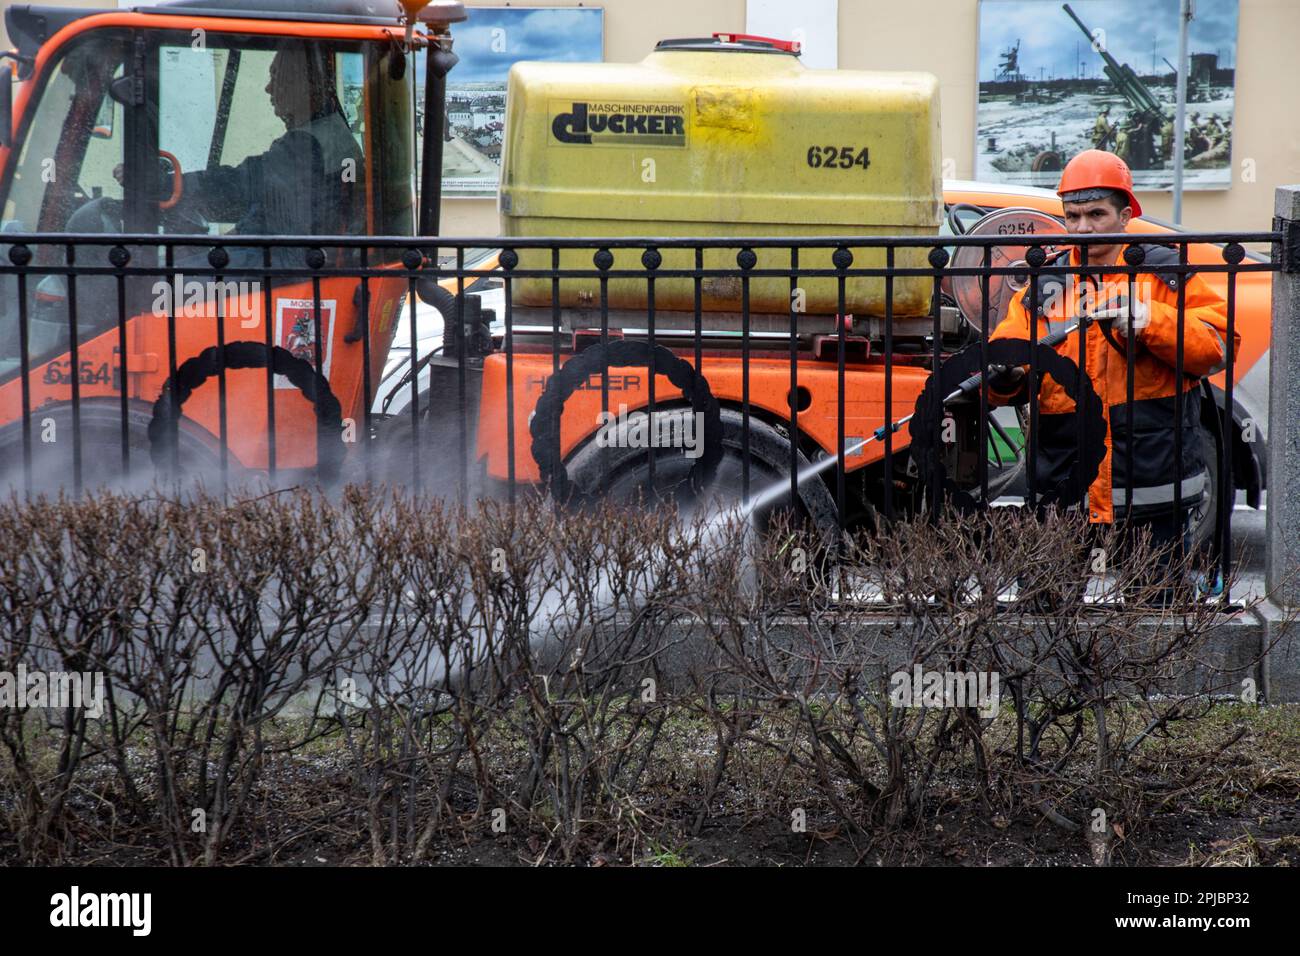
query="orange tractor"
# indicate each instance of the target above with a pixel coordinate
(232, 119)
(203, 266)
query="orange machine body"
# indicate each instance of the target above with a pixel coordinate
(769, 389)
(146, 364)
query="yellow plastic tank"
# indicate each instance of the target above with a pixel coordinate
(721, 138)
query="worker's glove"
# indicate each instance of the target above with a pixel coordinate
(1004, 378)
(1118, 310)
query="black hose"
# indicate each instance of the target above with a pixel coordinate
(954, 220)
(965, 367)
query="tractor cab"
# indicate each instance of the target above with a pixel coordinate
(205, 118)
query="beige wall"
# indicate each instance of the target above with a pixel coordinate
(632, 28)
(6, 44)
(940, 36)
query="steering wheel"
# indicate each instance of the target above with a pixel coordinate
(178, 182)
(104, 215)
(169, 165)
(178, 215)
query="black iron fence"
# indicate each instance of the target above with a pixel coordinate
(781, 372)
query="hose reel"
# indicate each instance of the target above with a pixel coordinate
(1009, 223)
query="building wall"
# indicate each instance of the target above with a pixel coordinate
(5, 42)
(940, 36)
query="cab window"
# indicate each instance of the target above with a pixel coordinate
(74, 144)
(278, 137)
(67, 178)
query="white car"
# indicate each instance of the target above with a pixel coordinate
(393, 394)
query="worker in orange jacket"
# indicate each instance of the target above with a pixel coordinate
(1096, 190)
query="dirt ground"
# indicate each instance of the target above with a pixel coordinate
(1242, 811)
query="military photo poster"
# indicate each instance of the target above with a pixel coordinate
(488, 44)
(1056, 78)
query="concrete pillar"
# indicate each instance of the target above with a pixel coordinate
(1282, 528)
(1283, 521)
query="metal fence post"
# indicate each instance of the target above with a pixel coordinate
(1282, 528)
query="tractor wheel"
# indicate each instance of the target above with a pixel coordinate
(621, 473)
(53, 438)
(193, 372)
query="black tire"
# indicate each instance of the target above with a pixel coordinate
(928, 450)
(1205, 516)
(622, 474)
(101, 448)
(624, 353)
(394, 448)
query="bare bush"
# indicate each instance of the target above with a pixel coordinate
(394, 676)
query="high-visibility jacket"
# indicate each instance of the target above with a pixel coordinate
(1155, 382)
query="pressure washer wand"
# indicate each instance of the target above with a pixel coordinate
(1051, 340)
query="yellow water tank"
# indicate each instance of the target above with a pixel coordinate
(718, 138)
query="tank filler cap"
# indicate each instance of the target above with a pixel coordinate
(732, 43)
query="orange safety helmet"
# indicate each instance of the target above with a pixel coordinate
(1093, 173)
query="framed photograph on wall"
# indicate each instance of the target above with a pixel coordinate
(488, 44)
(1056, 78)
